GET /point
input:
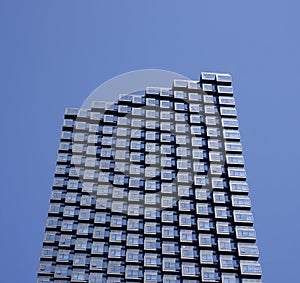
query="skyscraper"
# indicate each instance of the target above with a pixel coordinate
(152, 188)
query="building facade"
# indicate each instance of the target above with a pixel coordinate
(152, 188)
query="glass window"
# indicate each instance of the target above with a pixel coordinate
(123, 121)
(151, 276)
(170, 248)
(230, 123)
(217, 169)
(236, 172)
(151, 213)
(208, 87)
(238, 186)
(231, 134)
(186, 220)
(195, 96)
(215, 156)
(97, 263)
(169, 232)
(64, 256)
(166, 126)
(250, 267)
(152, 135)
(206, 240)
(220, 197)
(166, 137)
(99, 248)
(200, 180)
(166, 104)
(210, 98)
(235, 159)
(208, 76)
(210, 109)
(195, 108)
(179, 106)
(115, 267)
(208, 257)
(205, 224)
(196, 119)
(134, 210)
(180, 94)
(170, 264)
(152, 114)
(80, 260)
(118, 221)
(245, 233)
(197, 130)
(213, 132)
(184, 177)
(240, 201)
(183, 151)
(152, 102)
(226, 100)
(116, 251)
(133, 272)
(62, 271)
(167, 202)
(133, 240)
(151, 199)
(203, 209)
(222, 212)
(82, 244)
(152, 147)
(202, 194)
(102, 218)
(138, 99)
(225, 89)
(184, 191)
(166, 115)
(138, 111)
(248, 250)
(182, 128)
(199, 154)
(117, 236)
(151, 259)
(123, 131)
(133, 255)
(167, 188)
(188, 252)
(224, 78)
(243, 216)
(189, 269)
(226, 245)
(168, 216)
(228, 111)
(135, 195)
(151, 185)
(48, 252)
(228, 262)
(181, 117)
(151, 172)
(167, 162)
(224, 228)
(187, 236)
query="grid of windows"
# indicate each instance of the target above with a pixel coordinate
(152, 188)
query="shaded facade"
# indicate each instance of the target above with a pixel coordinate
(152, 188)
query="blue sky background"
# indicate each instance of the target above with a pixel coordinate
(54, 53)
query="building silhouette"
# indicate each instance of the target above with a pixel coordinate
(152, 188)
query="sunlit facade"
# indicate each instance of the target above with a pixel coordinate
(152, 188)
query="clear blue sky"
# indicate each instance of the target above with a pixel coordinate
(54, 53)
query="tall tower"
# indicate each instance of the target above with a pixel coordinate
(152, 188)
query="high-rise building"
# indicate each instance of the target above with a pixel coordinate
(152, 188)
